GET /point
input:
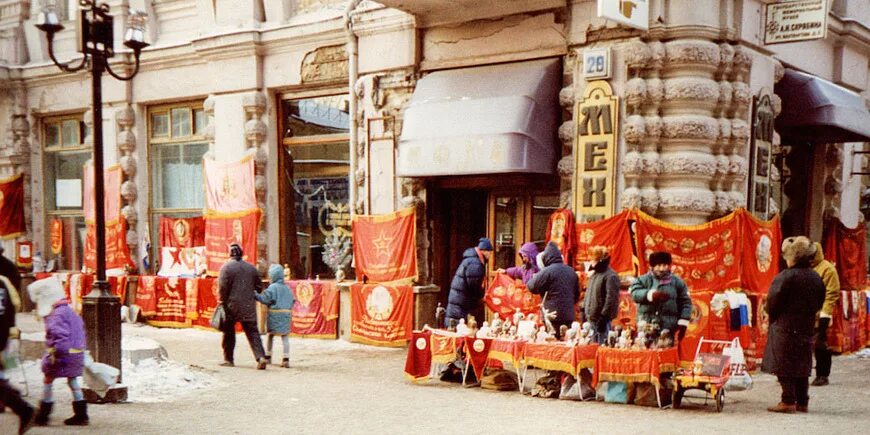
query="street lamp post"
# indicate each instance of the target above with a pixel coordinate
(100, 309)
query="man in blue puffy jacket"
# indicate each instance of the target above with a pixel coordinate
(466, 289)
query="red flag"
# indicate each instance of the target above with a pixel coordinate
(206, 300)
(847, 249)
(384, 246)
(560, 230)
(56, 236)
(419, 361)
(505, 294)
(477, 350)
(611, 232)
(229, 186)
(760, 252)
(146, 294)
(310, 315)
(117, 251)
(12, 207)
(171, 304)
(182, 232)
(705, 256)
(381, 315)
(221, 231)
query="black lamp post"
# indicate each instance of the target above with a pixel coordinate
(100, 309)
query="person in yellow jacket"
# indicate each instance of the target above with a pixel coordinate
(828, 272)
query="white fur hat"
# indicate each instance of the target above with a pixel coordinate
(45, 293)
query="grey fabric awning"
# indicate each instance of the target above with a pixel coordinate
(817, 111)
(484, 120)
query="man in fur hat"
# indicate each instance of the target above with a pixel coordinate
(238, 283)
(794, 298)
(601, 304)
(662, 297)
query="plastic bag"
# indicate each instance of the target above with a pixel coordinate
(218, 317)
(98, 376)
(740, 379)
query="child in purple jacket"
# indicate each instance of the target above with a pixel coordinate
(66, 343)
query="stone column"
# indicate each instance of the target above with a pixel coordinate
(15, 153)
(126, 141)
(254, 104)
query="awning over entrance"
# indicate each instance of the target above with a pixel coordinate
(818, 111)
(484, 120)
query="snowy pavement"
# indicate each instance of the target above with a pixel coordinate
(338, 387)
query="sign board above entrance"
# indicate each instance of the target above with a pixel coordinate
(632, 13)
(793, 21)
(597, 120)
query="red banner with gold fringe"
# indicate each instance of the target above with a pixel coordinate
(221, 231)
(759, 251)
(182, 232)
(505, 295)
(418, 364)
(705, 256)
(315, 312)
(385, 246)
(56, 236)
(613, 233)
(847, 249)
(560, 230)
(381, 315)
(12, 207)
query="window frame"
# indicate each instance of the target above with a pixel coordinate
(51, 211)
(155, 212)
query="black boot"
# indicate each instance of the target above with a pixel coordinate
(285, 362)
(42, 415)
(80, 416)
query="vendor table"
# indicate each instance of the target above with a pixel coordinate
(557, 356)
(627, 365)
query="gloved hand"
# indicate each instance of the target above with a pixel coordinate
(659, 297)
(680, 332)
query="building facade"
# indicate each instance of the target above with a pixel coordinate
(479, 114)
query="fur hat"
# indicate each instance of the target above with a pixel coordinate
(598, 253)
(484, 244)
(45, 292)
(236, 251)
(797, 248)
(660, 257)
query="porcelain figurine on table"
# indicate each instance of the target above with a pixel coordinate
(484, 331)
(665, 340)
(462, 328)
(496, 322)
(518, 315)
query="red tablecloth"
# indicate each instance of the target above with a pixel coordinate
(507, 351)
(558, 356)
(624, 365)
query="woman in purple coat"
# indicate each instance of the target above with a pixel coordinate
(65, 344)
(528, 254)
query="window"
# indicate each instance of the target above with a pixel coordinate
(67, 9)
(176, 146)
(64, 156)
(315, 136)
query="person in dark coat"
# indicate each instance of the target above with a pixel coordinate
(466, 288)
(9, 396)
(238, 283)
(794, 298)
(560, 286)
(10, 271)
(601, 304)
(662, 297)
(65, 343)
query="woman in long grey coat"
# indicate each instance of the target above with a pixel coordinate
(280, 300)
(794, 298)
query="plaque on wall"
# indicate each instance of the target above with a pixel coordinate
(760, 155)
(325, 64)
(597, 121)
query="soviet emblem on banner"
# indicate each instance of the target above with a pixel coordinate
(421, 343)
(304, 293)
(379, 304)
(763, 254)
(334, 219)
(182, 231)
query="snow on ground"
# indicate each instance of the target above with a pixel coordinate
(155, 380)
(863, 353)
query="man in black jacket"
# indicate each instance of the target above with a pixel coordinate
(10, 396)
(466, 289)
(560, 285)
(237, 282)
(601, 304)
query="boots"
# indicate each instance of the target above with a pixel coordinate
(783, 408)
(285, 362)
(261, 364)
(80, 416)
(269, 358)
(42, 415)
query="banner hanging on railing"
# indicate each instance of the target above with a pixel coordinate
(384, 246)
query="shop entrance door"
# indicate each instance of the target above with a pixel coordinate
(517, 218)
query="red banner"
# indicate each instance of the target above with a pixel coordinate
(315, 313)
(171, 304)
(117, 251)
(419, 361)
(384, 246)
(220, 232)
(12, 207)
(146, 294)
(627, 314)
(759, 251)
(444, 347)
(381, 315)
(206, 300)
(56, 236)
(705, 256)
(624, 365)
(847, 249)
(229, 186)
(505, 295)
(560, 230)
(611, 232)
(112, 193)
(182, 232)
(477, 350)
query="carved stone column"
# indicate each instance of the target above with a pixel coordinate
(254, 104)
(126, 141)
(15, 153)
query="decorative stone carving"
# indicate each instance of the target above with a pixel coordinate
(128, 191)
(130, 214)
(637, 54)
(691, 127)
(650, 163)
(693, 201)
(654, 126)
(565, 168)
(635, 93)
(325, 64)
(778, 71)
(655, 91)
(631, 198)
(128, 166)
(255, 131)
(649, 200)
(632, 164)
(126, 140)
(566, 133)
(567, 97)
(254, 104)
(657, 55)
(634, 129)
(691, 54)
(686, 164)
(691, 88)
(125, 119)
